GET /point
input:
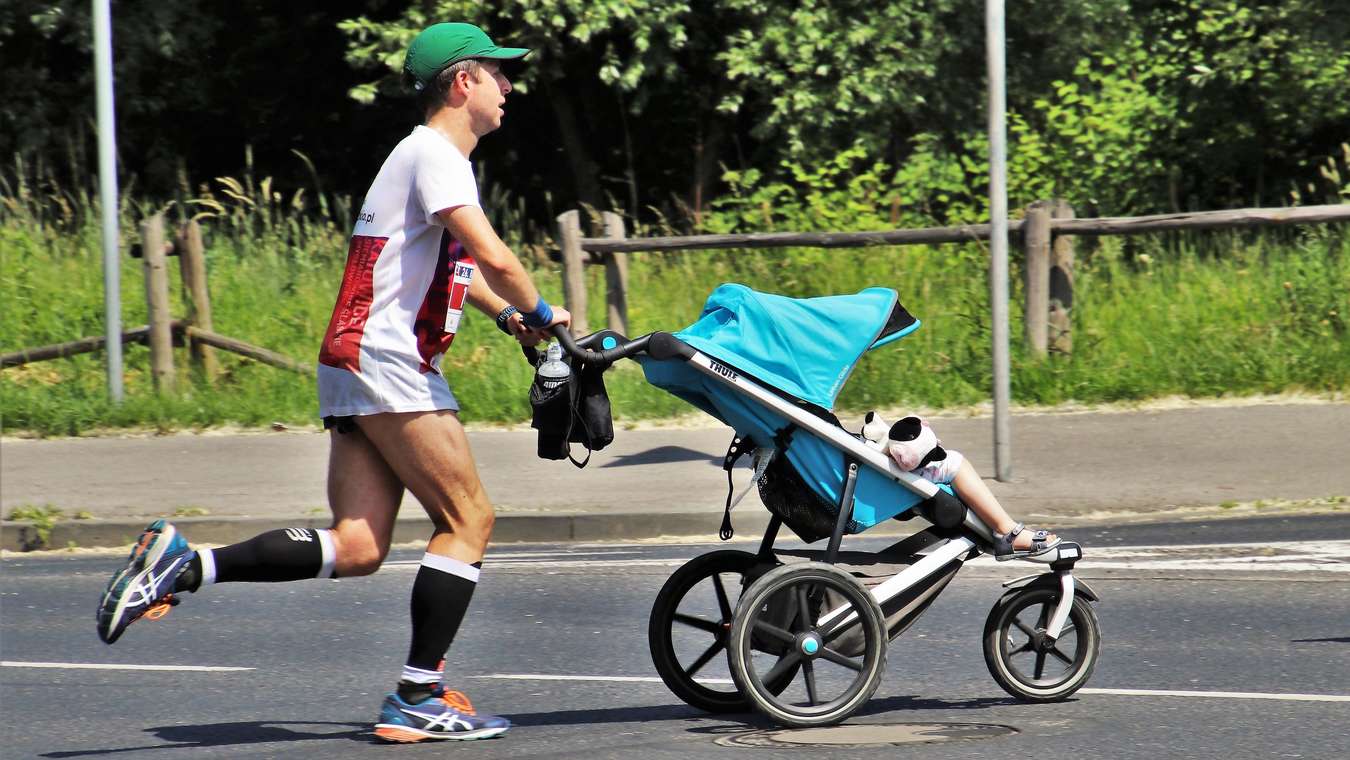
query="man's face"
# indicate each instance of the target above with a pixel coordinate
(487, 93)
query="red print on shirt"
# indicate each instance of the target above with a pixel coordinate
(342, 342)
(438, 318)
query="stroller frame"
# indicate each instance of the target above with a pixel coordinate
(958, 548)
(956, 535)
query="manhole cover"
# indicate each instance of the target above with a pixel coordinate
(870, 735)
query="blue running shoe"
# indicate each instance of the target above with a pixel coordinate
(145, 586)
(444, 715)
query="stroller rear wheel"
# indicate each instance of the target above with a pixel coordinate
(690, 626)
(806, 608)
(1030, 666)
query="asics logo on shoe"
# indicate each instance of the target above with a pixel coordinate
(299, 534)
(447, 721)
(150, 591)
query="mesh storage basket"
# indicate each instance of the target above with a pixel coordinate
(788, 496)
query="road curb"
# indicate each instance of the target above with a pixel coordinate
(517, 528)
(21, 536)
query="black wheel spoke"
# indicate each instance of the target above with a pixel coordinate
(810, 673)
(1063, 657)
(1040, 666)
(1027, 647)
(1023, 628)
(775, 632)
(696, 622)
(839, 659)
(782, 667)
(1044, 619)
(1068, 628)
(723, 603)
(804, 608)
(703, 659)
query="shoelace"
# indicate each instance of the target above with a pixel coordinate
(457, 700)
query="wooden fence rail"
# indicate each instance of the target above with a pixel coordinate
(257, 353)
(71, 348)
(1046, 235)
(164, 332)
(182, 334)
(1123, 225)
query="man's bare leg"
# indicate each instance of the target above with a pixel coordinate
(429, 454)
(364, 495)
(971, 488)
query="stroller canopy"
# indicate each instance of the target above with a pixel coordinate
(806, 347)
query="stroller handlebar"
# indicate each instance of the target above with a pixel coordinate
(613, 346)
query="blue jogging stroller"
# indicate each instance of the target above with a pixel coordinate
(805, 632)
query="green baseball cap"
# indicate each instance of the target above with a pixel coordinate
(440, 45)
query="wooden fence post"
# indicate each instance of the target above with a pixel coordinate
(157, 302)
(192, 264)
(1036, 245)
(616, 277)
(1061, 284)
(573, 269)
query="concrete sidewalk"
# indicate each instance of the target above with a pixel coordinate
(1068, 467)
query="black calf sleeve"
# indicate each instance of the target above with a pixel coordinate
(440, 597)
(277, 555)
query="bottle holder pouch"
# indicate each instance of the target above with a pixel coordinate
(576, 411)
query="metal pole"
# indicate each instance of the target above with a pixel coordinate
(998, 237)
(107, 194)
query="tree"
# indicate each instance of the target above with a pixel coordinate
(591, 60)
(1263, 90)
(196, 81)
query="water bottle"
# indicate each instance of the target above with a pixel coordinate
(551, 399)
(553, 371)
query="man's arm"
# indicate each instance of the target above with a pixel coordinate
(505, 277)
(482, 297)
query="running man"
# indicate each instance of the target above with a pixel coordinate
(416, 254)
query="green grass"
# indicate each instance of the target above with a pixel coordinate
(1232, 315)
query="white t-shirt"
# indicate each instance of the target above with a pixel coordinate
(404, 286)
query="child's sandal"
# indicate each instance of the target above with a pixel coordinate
(1003, 544)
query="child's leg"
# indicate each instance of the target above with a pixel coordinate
(972, 490)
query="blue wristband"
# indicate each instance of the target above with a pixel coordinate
(540, 317)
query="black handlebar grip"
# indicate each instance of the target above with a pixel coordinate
(603, 358)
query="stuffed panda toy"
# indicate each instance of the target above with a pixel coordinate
(911, 442)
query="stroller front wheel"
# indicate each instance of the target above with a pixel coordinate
(806, 608)
(1028, 665)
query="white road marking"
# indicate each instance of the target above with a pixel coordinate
(1275, 556)
(1219, 695)
(516, 558)
(1105, 692)
(553, 563)
(616, 679)
(1278, 556)
(102, 666)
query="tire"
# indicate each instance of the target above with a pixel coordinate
(715, 571)
(805, 648)
(1013, 658)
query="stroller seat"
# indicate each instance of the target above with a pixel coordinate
(803, 351)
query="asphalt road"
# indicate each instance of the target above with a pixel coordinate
(316, 657)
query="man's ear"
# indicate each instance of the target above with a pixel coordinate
(461, 83)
